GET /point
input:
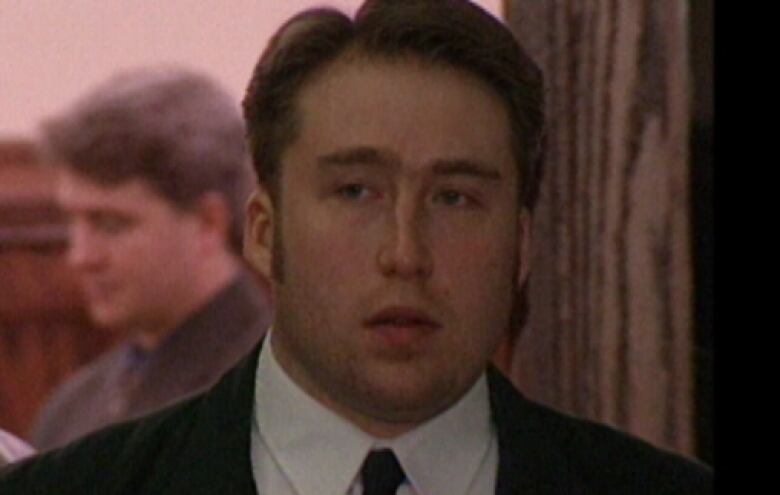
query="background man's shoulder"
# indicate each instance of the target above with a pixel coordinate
(86, 390)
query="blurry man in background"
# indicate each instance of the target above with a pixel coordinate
(153, 179)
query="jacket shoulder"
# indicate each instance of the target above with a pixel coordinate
(593, 457)
(613, 461)
(105, 460)
(65, 406)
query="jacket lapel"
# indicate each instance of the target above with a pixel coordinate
(216, 455)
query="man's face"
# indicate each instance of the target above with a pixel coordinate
(132, 251)
(400, 231)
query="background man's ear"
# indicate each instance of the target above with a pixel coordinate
(259, 231)
(524, 246)
(215, 221)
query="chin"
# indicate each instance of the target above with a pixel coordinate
(413, 409)
(105, 319)
(409, 398)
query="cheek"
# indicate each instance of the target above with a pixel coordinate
(170, 250)
(477, 271)
(134, 252)
(333, 252)
(487, 247)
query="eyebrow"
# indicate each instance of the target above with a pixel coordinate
(360, 155)
(368, 155)
(466, 167)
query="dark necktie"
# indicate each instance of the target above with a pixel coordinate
(381, 473)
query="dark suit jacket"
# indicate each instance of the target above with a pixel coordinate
(201, 446)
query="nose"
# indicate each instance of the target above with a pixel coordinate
(405, 253)
(84, 252)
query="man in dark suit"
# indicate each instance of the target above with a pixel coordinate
(398, 155)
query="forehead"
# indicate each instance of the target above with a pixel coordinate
(78, 192)
(417, 108)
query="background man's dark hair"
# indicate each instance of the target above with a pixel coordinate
(452, 33)
(176, 129)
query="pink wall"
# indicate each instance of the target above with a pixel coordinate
(51, 50)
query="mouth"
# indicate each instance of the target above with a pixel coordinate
(401, 325)
(97, 291)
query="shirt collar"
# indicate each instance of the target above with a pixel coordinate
(439, 456)
(301, 433)
(444, 454)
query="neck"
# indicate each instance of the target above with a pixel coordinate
(203, 284)
(377, 427)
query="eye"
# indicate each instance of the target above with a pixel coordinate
(451, 197)
(353, 191)
(110, 224)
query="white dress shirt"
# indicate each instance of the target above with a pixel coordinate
(12, 449)
(299, 447)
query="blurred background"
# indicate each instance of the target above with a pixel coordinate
(52, 51)
(620, 323)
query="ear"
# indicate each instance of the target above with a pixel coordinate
(215, 219)
(523, 246)
(259, 232)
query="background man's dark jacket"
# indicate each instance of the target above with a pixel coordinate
(202, 445)
(189, 361)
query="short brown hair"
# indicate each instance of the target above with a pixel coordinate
(174, 128)
(455, 33)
